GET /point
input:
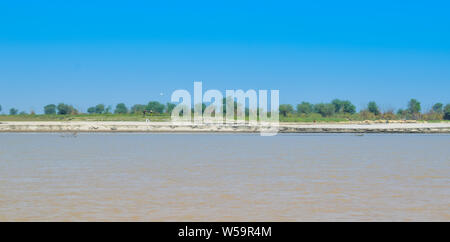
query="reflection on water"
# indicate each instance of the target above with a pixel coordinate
(210, 177)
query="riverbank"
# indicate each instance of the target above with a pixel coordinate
(98, 126)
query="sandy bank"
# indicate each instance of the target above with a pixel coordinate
(188, 127)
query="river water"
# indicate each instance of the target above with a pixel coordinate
(224, 177)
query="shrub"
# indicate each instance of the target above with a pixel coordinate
(388, 115)
(325, 109)
(137, 108)
(338, 105)
(367, 115)
(13, 111)
(50, 109)
(447, 112)
(155, 107)
(343, 106)
(437, 108)
(65, 109)
(170, 107)
(414, 106)
(373, 108)
(121, 108)
(108, 109)
(349, 107)
(285, 109)
(304, 107)
(100, 108)
(91, 110)
(433, 116)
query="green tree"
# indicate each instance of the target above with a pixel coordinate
(348, 107)
(170, 107)
(65, 109)
(437, 108)
(108, 109)
(229, 101)
(137, 108)
(50, 109)
(121, 108)
(402, 113)
(0, 108)
(414, 106)
(91, 110)
(198, 106)
(304, 107)
(325, 109)
(285, 109)
(155, 106)
(447, 112)
(100, 108)
(373, 108)
(343, 106)
(338, 105)
(13, 111)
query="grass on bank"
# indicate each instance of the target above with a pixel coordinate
(85, 117)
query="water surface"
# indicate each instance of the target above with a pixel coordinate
(224, 177)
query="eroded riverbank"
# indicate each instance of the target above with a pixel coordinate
(77, 126)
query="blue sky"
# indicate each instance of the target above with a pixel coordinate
(89, 52)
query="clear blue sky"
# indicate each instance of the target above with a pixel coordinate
(89, 52)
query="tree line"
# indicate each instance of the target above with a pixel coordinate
(335, 107)
(372, 111)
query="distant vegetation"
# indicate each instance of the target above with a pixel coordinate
(334, 111)
(50, 109)
(344, 110)
(13, 111)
